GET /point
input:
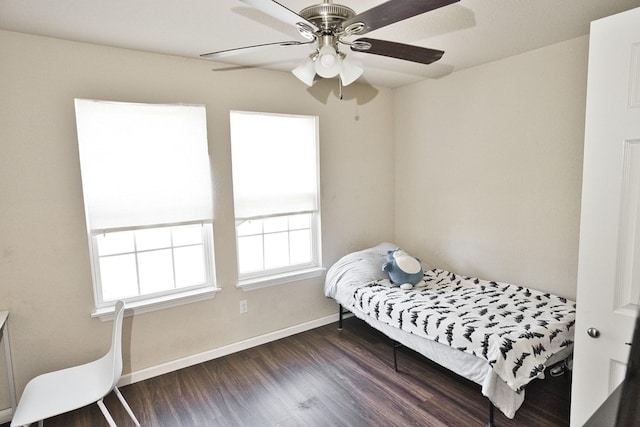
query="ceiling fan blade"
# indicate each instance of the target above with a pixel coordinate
(393, 11)
(280, 12)
(249, 49)
(407, 52)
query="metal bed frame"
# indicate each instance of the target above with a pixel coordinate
(395, 345)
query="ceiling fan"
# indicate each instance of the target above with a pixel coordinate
(329, 25)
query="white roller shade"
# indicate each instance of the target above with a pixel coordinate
(275, 164)
(143, 164)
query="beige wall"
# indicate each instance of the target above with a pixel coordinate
(487, 179)
(489, 168)
(45, 278)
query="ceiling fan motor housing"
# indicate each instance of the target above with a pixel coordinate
(327, 16)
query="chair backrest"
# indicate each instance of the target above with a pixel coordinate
(116, 343)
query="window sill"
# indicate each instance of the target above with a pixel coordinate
(158, 303)
(280, 279)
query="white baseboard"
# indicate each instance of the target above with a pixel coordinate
(185, 362)
(5, 415)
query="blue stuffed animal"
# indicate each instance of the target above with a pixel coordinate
(403, 269)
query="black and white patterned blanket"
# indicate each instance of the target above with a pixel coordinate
(514, 328)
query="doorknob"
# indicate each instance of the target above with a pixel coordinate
(593, 332)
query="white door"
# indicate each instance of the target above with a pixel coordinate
(609, 261)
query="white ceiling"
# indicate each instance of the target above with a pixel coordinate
(471, 32)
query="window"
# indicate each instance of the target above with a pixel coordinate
(148, 200)
(151, 261)
(275, 185)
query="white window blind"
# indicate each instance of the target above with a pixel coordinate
(275, 164)
(143, 164)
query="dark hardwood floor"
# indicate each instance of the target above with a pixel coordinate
(322, 377)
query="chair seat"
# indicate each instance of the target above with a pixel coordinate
(43, 397)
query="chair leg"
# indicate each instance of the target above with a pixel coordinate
(106, 413)
(126, 406)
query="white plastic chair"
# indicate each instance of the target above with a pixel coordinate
(62, 391)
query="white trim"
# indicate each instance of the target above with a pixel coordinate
(159, 303)
(279, 279)
(207, 244)
(185, 362)
(6, 415)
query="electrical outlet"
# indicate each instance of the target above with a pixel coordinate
(243, 306)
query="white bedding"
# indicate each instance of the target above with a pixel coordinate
(354, 270)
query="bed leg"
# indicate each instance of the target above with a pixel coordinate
(395, 355)
(340, 317)
(491, 408)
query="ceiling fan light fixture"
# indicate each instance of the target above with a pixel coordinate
(305, 72)
(350, 72)
(328, 63)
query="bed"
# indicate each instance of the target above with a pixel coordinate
(499, 335)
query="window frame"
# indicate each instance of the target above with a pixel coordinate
(143, 303)
(190, 123)
(291, 273)
(209, 267)
(280, 275)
